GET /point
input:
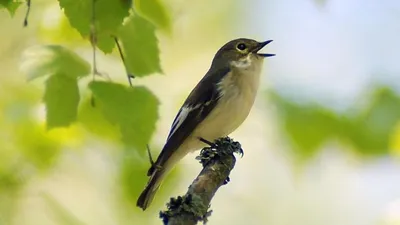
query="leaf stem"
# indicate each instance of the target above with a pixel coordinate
(28, 4)
(129, 75)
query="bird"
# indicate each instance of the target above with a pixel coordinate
(216, 107)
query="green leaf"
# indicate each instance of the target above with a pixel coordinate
(105, 43)
(53, 59)
(61, 99)
(10, 5)
(92, 118)
(140, 46)
(134, 110)
(109, 15)
(367, 129)
(5, 3)
(154, 11)
(370, 131)
(308, 127)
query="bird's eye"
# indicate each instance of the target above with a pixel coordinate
(241, 46)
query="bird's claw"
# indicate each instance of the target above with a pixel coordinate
(226, 181)
(240, 152)
(211, 144)
(221, 146)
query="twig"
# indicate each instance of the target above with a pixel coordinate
(93, 42)
(93, 39)
(129, 75)
(28, 4)
(218, 161)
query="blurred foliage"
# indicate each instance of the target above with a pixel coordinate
(368, 128)
(133, 110)
(60, 31)
(126, 116)
(308, 127)
(61, 99)
(34, 140)
(10, 5)
(132, 184)
(62, 215)
(27, 148)
(155, 12)
(53, 59)
(395, 141)
(61, 95)
(115, 112)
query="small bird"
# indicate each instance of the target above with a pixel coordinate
(218, 105)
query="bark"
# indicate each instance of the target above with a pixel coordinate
(218, 161)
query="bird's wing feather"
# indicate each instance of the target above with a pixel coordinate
(196, 108)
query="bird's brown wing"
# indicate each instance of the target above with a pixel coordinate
(203, 98)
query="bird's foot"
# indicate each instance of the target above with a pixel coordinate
(226, 181)
(211, 144)
(222, 146)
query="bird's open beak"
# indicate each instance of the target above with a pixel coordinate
(260, 46)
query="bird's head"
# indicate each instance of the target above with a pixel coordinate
(241, 53)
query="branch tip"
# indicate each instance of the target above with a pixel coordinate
(218, 161)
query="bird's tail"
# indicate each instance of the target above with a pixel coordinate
(151, 188)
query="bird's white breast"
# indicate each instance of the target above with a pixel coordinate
(238, 92)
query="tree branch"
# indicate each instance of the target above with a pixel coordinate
(218, 161)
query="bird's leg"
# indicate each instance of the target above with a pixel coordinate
(207, 153)
(150, 157)
(211, 144)
(154, 166)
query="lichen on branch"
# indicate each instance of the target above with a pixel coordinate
(218, 161)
